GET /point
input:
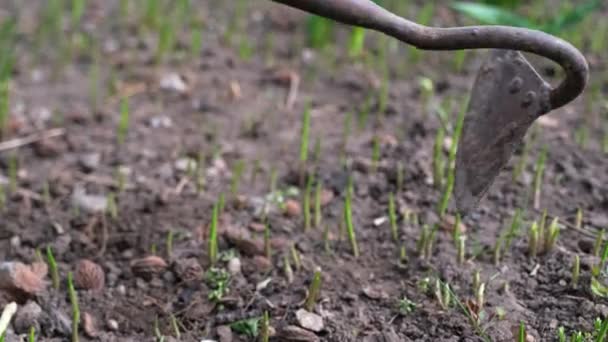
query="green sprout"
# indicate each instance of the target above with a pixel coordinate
(265, 333)
(538, 175)
(357, 42)
(123, 123)
(375, 153)
(599, 241)
(32, 335)
(218, 280)
(314, 291)
(348, 221)
(53, 267)
(318, 213)
(438, 161)
(304, 138)
(406, 306)
(213, 246)
(169, 244)
(75, 307)
(175, 326)
(576, 270)
(4, 107)
(533, 240)
(239, 169)
(443, 294)
(248, 327)
(267, 245)
(521, 336)
(307, 194)
(393, 217)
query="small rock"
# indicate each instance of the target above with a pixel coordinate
(161, 122)
(242, 240)
(292, 208)
(185, 164)
(380, 221)
(23, 281)
(148, 266)
(224, 333)
(89, 326)
(188, 269)
(89, 275)
(234, 266)
(173, 82)
(27, 316)
(112, 324)
(89, 162)
(262, 263)
(296, 334)
(121, 289)
(15, 242)
(309, 320)
(374, 293)
(89, 203)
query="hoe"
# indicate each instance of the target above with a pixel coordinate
(508, 94)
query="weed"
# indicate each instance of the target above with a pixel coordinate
(357, 42)
(427, 90)
(75, 307)
(218, 280)
(319, 31)
(579, 219)
(248, 327)
(314, 291)
(406, 306)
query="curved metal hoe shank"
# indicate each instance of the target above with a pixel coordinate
(508, 94)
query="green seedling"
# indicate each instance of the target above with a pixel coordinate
(392, 215)
(169, 244)
(287, 269)
(403, 259)
(318, 212)
(375, 153)
(218, 280)
(319, 31)
(538, 176)
(317, 150)
(356, 42)
(152, 13)
(78, 7)
(248, 327)
(476, 281)
(239, 169)
(561, 334)
(265, 333)
(112, 207)
(579, 219)
(427, 92)
(599, 241)
(461, 249)
(53, 267)
(295, 256)
(513, 229)
(175, 327)
(307, 204)
(443, 294)
(551, 235)
(599, 268)
(533, 240)
(447, 193)
(314, 291)
(196, 41)
(521, 336)
(304, 138)
(2, 197)
(157, 333)
(406, 306)
(438, 159)
(221, 203)
(153, 249)
(245, 48)
(75, 308)
(363, 114)
(581, 136)
(348, 222)
(346, 131)
(458, 61)
(496, 252)
(576, 270)
(523, 159)
(213, 245)
(166, 39)
(32, 335)
(123, 123)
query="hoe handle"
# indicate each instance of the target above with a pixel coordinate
(367, 14)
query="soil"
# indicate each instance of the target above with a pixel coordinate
(224, 109)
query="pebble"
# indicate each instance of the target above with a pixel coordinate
(292, 208)
(89, 161)
(173, 82)
(89, 203)
(27, 316)
(234, 266)
(262, 263)
(112, 324)
(185, 164)
(309, 320)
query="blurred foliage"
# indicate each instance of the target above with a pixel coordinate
(502, 12)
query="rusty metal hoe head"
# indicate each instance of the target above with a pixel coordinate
(508, 94)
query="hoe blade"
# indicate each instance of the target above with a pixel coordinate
(508, 95)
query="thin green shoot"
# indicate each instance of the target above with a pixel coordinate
(265, 333)
(599, 268)
(32, 335)
(287, 269)
(538, 176)
(461, 249)
(4, 107)
(123, 123)
(375, 153)
(326, 242)
(196, 41)
(576, 271)
(400, 175)
(213, 245)
(579, 219)
(175, 327)
(314, 291)
(427, 90)
(169, 246)
(599, 241)
(514, 229)
(304, 138)
(348, 221)
(53, 267)
(392, 215)
(75, 308)
(356, 42)
(307, 202)
(78, 7)
(13, 169)
(239, 169)
(438, 161)
(319, 31)
(533, 240)
(112, 207)
(317, 211)
(166, 39)
(295, 256)
(521, 336)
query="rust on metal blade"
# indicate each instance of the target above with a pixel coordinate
(508, 95)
